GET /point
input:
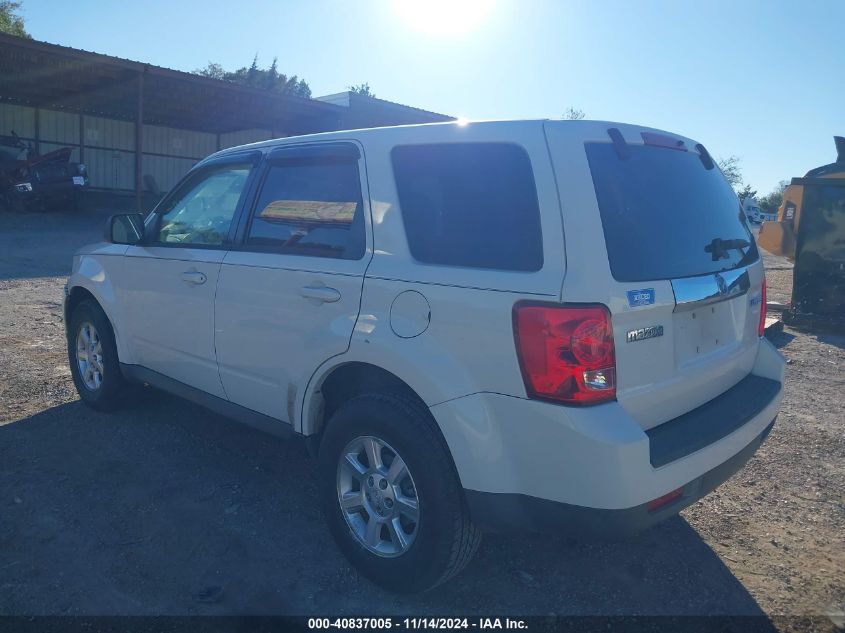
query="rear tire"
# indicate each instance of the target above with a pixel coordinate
(423, 501)
(92, 354)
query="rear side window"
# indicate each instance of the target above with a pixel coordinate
(311, 207)
(470, 205)
(665, 216)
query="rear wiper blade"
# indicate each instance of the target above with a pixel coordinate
(719, 248)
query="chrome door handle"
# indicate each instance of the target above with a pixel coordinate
(193, 277)
(323, 294)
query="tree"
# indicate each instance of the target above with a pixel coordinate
(254, 76)
(573, 114)
(10, 21)
(772, 201)
(362, 89)
(215, 71)
(272, 76)
(746, 192)
(731, 170)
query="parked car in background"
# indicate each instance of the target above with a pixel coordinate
(752, 210)
(503, 326)
(31, 181)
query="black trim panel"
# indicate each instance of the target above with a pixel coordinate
(511, 513)
(136, 373)
(711, 421)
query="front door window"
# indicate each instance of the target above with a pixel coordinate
(201, 212)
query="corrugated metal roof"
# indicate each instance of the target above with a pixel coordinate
(345, 99)
(61, 77)
(51, 75)
(93, 56)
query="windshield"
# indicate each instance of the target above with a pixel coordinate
(665, 216)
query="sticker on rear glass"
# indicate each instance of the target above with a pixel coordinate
(642, 297)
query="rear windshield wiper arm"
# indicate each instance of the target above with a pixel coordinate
(719, 248)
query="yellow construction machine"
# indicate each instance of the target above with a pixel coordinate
(810, 230)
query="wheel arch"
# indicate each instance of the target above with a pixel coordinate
(78, 293)
(344, 381)
(75, 296)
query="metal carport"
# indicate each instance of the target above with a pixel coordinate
(127, 119)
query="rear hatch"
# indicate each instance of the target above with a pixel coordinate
(655, 232)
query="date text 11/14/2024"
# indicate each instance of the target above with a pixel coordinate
(387, 623)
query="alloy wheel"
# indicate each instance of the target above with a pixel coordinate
(377, 496)
(89, 356)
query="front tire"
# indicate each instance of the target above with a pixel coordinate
(92, 354)
(391, 494)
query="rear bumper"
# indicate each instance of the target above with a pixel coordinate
(61, 190)
(532, 465)
(515, 513)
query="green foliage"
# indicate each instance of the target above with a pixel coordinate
(746, 192)
(262, 78)
(731, 170)
(212, 70)
(10, 21)
(771, 201)
(573, 114)
(362, 89)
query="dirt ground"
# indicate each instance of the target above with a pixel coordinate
(154, 509)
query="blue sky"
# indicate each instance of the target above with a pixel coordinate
(762, 80)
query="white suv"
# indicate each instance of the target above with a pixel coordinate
(507, 326)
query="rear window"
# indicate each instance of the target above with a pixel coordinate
(665, 216)
(469, 204)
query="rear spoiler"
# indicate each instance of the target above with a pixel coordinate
(663, 140)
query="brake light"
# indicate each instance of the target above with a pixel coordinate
(761, 327)
(566, 353)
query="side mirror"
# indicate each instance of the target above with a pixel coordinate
(125, 228)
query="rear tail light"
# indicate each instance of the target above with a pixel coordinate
(566, 353)
(761, 327)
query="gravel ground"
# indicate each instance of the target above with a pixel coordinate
(165, 508)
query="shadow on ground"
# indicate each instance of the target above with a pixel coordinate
(780, 339)
(837, 340)
(141, 511)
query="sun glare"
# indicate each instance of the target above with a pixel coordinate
(443, 18)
